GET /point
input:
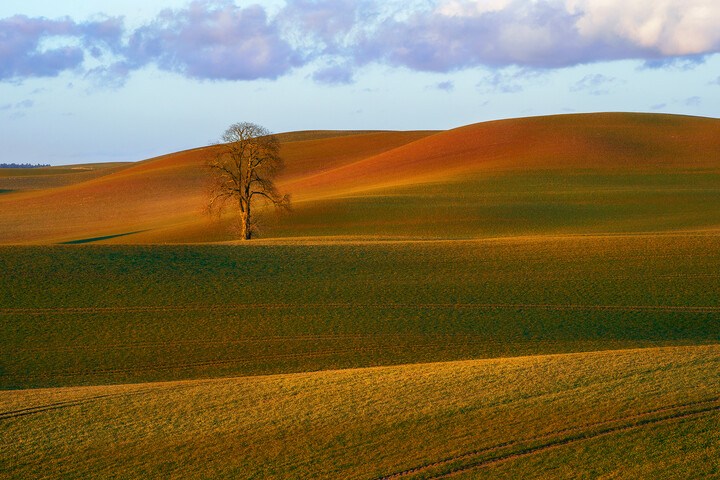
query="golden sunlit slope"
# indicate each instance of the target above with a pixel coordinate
(650, 413)
(143, 196)
(589, 141)
(166, 192)
(161, 199)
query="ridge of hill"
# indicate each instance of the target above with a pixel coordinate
(161, 199)
(581, 141)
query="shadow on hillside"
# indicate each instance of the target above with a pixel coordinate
(97, 239)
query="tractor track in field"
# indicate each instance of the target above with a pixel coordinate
(230, 361)
(21, 412)
(51, 406)
(347, 305)
(566, 436)
(579, 438)
(185, 366)
(468, 338)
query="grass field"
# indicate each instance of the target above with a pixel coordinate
(85, 315)
(531, 298)
(516, 204)
(651, 413)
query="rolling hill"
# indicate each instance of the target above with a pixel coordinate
(509, 177)
(527, 298)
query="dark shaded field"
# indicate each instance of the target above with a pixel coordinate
(516, 204)
(105, 314)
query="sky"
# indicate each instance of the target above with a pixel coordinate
(124, 80)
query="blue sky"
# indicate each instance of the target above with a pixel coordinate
(84, 81)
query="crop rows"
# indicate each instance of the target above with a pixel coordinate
(281, 306)
(509, 451)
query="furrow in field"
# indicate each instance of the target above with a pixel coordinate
(21, 412)
(244, 360)
(184, 366)
(248, 340)
(579, 433)
(281, 306)
(44, 408)
(579, 438)
(210, 363)
(58, 405)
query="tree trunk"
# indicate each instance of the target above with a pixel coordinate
(245, 230)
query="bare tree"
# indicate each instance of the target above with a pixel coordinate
(243, 173)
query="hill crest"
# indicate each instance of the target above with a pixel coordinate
(164, 196)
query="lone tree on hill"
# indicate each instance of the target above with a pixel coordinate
(243, 172)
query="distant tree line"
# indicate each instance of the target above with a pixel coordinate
(23, 165)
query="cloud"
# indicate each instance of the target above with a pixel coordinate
(507, 80)
(107, 33)
(447, 86)
(38, 47)
(685, 63)
(546, 33)
(668, 28)
(327, 26)
(218, 40)
(21, 54)
(206, 40)
(693, 101)
(539, 34)
(594, 84)
(334, 75)
(25, 104)
(534, 34)
(214, 40)
(17, 110)
(110, 76)
(500, 83)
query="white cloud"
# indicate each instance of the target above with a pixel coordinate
(669, 27)
(470, 8)
(216, 39)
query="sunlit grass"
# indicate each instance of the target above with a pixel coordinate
(628, 414)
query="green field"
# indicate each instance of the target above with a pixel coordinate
(496, 204)
(103, 314)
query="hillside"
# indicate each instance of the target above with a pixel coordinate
(531, 298)
(624, 414)
(614, 172)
